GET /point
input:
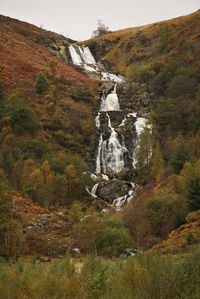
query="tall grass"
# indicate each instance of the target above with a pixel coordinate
(147, 276)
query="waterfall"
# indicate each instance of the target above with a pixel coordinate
(139, 126)
(86, 55)
(76, 58)
(82, 56)
(112, 152)
(111, 102)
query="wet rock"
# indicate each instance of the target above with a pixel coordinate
(135, 97)
(75, 251)
(109, 190)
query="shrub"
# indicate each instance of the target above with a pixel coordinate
(142, 74)
(22, 116)
(166, 211)
(37, 147)
(1, 92)
(113, 238)
(165, 35)
(194, 193)
(182, 85)
(41, 83)
(179, 156)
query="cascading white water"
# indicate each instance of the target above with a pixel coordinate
(76, 58)
(111, 147)
(86, 55)
(140, 124)
(110, 153)
(111, 102)
(113, 152)
(82, 56)
(99, 154)
(111, 77)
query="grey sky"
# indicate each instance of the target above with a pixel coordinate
(78, 18)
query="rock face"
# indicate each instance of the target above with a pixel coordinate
(135, 97)
(110, 190)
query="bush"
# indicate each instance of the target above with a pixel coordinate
(194, 193)
(113, 238)
(22, 116)
(37, 147)
(179, 156)
(173, 68)
(142, 74)
(41, 83)
(166, 211)
(182, 85)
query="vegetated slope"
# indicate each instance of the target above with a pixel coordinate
(46, 136)
(187, 235)
(165, 57)
(126, 49)
(47, 131)
(25, 52)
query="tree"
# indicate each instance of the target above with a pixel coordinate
(5, 215)
(179, 155)
(113, 238)
(194, 193)
(72, 179)
(166, 211)
(75, 213)
(41, 83)
(1, 93)
(144, 151)
(22, 116)
(101, 29)
(157, 166)
(60, 188)
(87, 231)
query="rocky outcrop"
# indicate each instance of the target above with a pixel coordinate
(135, 97)
(110, 190)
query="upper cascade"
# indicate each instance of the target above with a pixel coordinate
(82, 56)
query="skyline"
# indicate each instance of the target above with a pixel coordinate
(78, 20)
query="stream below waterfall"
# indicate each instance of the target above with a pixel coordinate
(112, 152)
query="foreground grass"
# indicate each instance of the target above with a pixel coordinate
(149, 276)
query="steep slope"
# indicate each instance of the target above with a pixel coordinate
(59, 119)
(48, 138)
(185, 236)
(162, 60)
(148, 44)
(25, 52)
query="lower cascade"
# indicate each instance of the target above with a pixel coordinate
(113, 155)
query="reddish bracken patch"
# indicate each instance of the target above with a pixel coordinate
(26, 205)
(22, 58)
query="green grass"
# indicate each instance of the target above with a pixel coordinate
(149, 276)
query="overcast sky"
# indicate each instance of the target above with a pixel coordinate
(78, 18)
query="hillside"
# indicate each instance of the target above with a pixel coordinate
(48, 138)
(162, 59)
(126, 50)
(47, 134)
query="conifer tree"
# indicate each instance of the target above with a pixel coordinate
(41, 83)
(194, 193)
